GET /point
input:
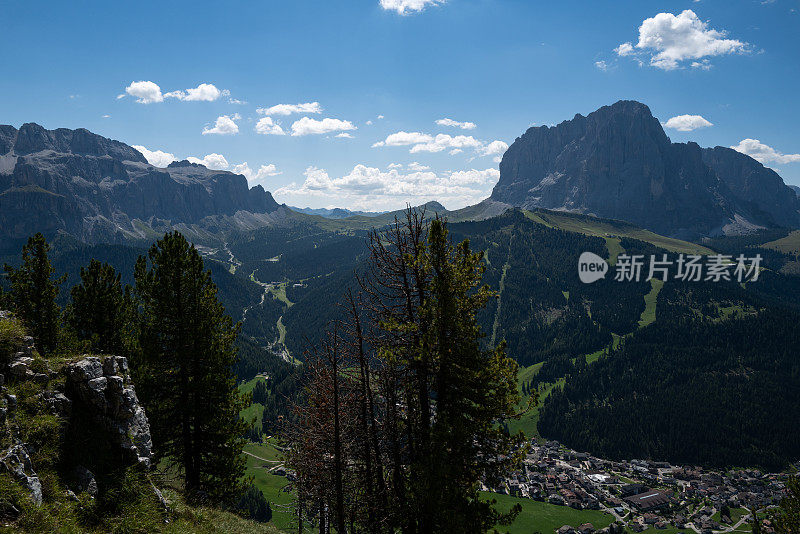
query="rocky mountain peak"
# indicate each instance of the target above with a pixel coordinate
(32, 138)
(98, 189)
(617, 162)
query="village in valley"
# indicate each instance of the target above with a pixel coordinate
(643, 494)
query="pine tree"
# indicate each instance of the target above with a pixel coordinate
(405, 410)
(34, 292)
(259, 393)
(183, 370)
(474, 389)
(253, 505)
(99, 311)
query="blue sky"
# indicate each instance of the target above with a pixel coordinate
(381, 68)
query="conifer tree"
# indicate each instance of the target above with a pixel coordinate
(34, 292)
(99, 311)
(405, 409)
(184, 370)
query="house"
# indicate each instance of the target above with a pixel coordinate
(586, 528)
(650, 519)
(632, 489)
(649, 500)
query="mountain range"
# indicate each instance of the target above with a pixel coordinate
(615, 163)
(618, 162)
(336, 213)
(99, 190)
(282, 273)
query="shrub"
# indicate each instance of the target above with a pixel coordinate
(12, 334)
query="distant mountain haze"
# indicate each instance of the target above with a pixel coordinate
(335, 213)
(100, 190)
(618, 163)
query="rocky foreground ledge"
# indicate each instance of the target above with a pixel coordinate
(93, 393)
(105, 387)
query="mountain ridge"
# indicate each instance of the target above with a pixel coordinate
(617, 162)
(101, 190)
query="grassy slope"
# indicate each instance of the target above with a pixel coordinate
(527, 423)
(247, 387)
(612, 231)
(788, 245)
(545, 517)
(649, 313)
(255, 410)
(272, 486)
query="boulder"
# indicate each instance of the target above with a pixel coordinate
(104, 387)
(85, 481)
(84, 370)
(16, 461)
(20, 368)
(57, 403)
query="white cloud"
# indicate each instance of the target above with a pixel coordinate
(404, 139)
(380, 117)
(764, 153)
(205, 92)
(254, 177)
(212, 161)
(403, 7)
(309, 126)
(120, 96)
(288, 109)
(224, 125)
(217, 162)
(414, 166)
(443, 142)
(266, 126)
(601, 65)
(365, 187)
(494, 148)
(703, 65)
(369, 123)
(106, 116)
(687, 123)
(345, 135)
(472, 176)
(156, 158)
(456, 124)
(422, 142)
(672, 39)
(145, 92)
(625, 49)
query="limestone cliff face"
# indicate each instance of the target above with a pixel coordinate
(105, 389)
(97, 189)
(617, 162)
